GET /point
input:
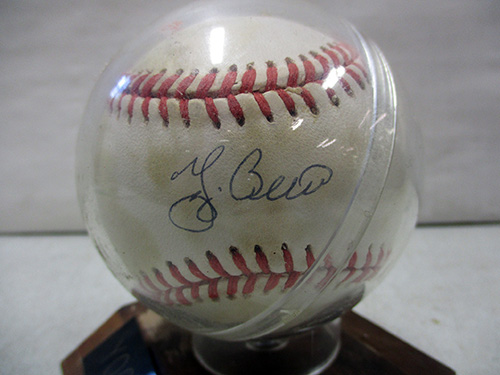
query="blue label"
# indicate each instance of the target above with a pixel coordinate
(123, 353)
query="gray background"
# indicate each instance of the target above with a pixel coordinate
(55, 290)
(446, 53)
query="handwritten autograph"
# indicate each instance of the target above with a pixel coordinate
(246, 183)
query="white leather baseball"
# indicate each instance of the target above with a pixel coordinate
(227, 160)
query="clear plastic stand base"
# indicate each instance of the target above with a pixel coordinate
(309, 352)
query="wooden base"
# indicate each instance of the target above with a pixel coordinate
(366, 348)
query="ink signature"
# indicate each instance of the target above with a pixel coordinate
(206, 212)
(310, 180)
(246, 183)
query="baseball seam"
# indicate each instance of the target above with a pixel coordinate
(189, 285)
(147, 92)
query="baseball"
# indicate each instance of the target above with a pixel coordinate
(221, 175)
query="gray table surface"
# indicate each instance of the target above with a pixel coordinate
(442, 297)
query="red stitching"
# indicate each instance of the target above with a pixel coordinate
(248, 79)
(130, 108)
(368, 269)
(149, 283)
(332, 95)
(176, 294)
(174, 271)
(309, 69)
(163, 110)
(309, 256)
(332, 55)
(323, 61)
(287, 258)
(356, 77)
(135, 85)
(149, 84)
(239, 261)
(145, 108)
(212, 289)
(272, 282)
(205, 84)
(288, 101)
(142, 86)
(215, 264)
(351, 267)
(363, 71)
(250, 284)
(343, 50)
(168, 83)
(193, 268)
(184, 109)
(292, 279)
(293, 73)
(179, 295)
(309, 100)
(236, 110)
(161, 279)
(228, 82)
(212, 112)
(232, 285)
(180, 93)
(346, 86)
(264, 106)
(272, 76)
(195, 292)
(262, 260)
(331, 271)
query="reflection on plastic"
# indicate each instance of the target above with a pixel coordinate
(122, 83)
(217, 35)
(326, 143)
(297, 123)
(333, 77)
